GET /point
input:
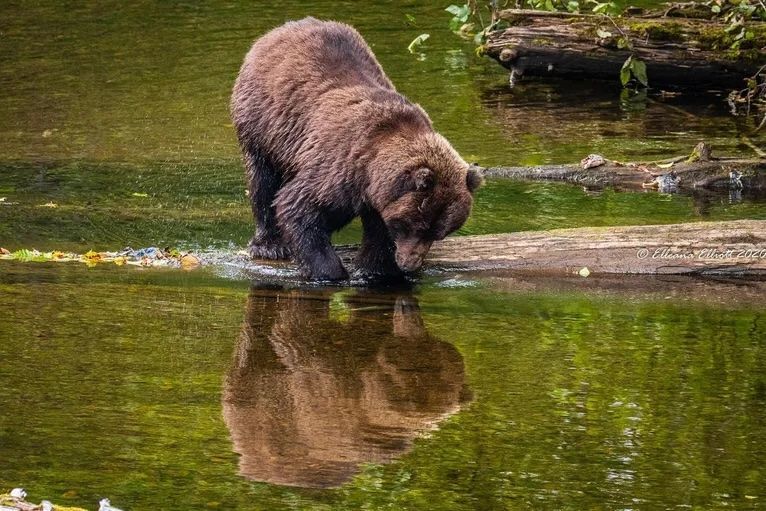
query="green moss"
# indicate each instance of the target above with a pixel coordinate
(541, 41)
(714, 38)
(654, 31)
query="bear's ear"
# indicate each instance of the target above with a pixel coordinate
(423, 179)
(474, 178)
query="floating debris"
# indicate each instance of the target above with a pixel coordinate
(664, 183)
(145, 257)
(15, 500)
(591, 161)
(105, 505)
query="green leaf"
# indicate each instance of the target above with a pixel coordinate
(624, 76)
(465, 13)
(600, 8)
(417, 42)
(638, 68)
(410, 18)
(716, 9)
(573, 6)
(622, 43)
(625, 71)
(460, 12)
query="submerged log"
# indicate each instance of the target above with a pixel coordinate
(678, 52)
(700, 170)
(723, 292)
(704, 248)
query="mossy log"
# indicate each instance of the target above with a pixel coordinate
(671, 175)
(678, 52)
(702, 248)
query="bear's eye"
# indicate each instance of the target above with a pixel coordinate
(423, 179)
(398, 227)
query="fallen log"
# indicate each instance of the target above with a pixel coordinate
(731, 248)
(705, 248)
(700, 170)
(678, 52)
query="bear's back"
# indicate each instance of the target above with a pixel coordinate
(294, 72)
(306, 58)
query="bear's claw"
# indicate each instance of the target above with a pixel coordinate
(268, 250)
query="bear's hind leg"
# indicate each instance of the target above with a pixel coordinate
(263, 182)
(308, 235)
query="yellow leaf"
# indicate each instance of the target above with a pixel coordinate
(92, 257)
(189, 262)
(584, 272)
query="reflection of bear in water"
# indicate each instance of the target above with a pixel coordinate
(316, 390)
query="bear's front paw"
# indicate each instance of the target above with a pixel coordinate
(330, 269)
(378, 274)
(274, 250)
(374, 266)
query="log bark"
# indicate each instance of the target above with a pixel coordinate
(706, 248)
(677, 51)
(715, 174)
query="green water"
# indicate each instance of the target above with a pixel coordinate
(172, 390)
(545, 399)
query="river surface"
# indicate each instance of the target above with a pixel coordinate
(172, 390)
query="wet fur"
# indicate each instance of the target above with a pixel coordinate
(326, 138)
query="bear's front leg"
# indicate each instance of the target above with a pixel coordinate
(309, 241)
(376, 257)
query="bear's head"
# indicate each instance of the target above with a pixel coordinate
(423, 191)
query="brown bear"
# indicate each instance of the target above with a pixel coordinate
(327, 138)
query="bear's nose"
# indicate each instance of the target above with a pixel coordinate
(410, 255)
(410, 263)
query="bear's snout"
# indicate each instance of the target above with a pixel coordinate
(410, 254)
